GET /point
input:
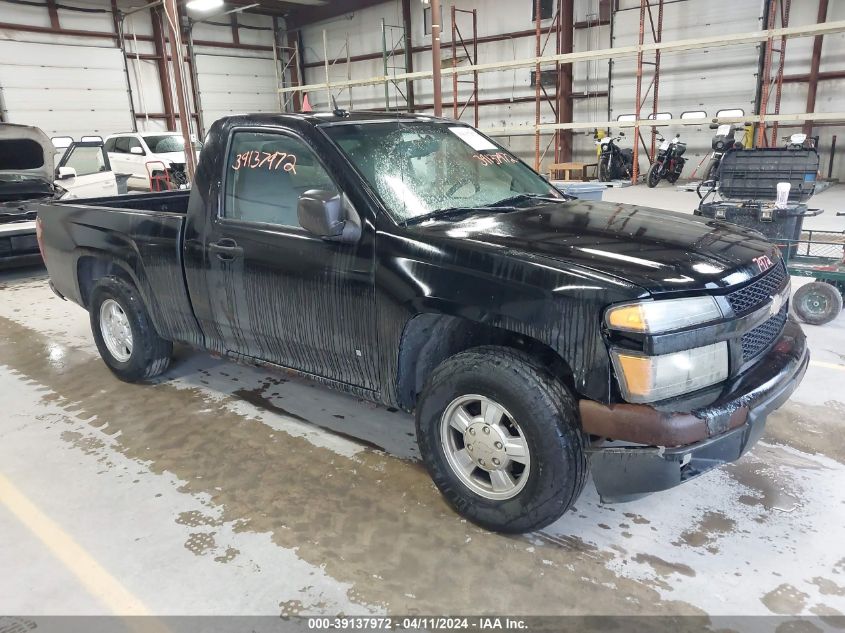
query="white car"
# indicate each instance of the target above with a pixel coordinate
(141, 154)
(83, 171)
(27, 157)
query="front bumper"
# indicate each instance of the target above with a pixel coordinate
(655, 448)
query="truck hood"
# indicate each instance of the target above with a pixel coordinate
(660, 251)
(26, 154)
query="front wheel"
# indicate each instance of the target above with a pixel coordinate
(501, 439)
(653, 176)
(125, 337)
(604, 170)
(817, 303)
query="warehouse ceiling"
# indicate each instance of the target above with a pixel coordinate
(302, 12)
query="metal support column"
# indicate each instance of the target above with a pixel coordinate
(635, 171)
(563, 142)
(435, 57)
(172, 14)
(815, 64)
(767, 71)
(163, 70)
(409, 56)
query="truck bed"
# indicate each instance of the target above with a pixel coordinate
(165, 201)
(138, 236)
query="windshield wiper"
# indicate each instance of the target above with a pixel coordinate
(520, 197)
(451, 212)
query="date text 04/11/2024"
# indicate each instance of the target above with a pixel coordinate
(417, 623)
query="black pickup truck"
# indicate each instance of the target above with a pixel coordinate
(414, 262)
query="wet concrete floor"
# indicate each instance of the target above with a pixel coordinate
(229, 489)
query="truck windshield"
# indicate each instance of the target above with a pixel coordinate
(419, 168)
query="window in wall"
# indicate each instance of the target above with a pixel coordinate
(694, 114)
(627, 117)
(548, 78)
(732, 112)
(547, 9)
(427, 20)
(660, 116)
(266, 174)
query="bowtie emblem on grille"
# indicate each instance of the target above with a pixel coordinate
(776, 305)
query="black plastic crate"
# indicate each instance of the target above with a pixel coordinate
(754, 174)
(776, 224)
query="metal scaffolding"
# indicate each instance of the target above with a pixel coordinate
(562, 25)
(653, 86)
(471, 53)
(394, 43)
(768, 82)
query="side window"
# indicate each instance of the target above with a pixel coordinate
(109, 144)
(266, 174)
(121, 145)
(133, 142)
(86, 160)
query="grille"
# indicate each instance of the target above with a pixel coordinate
(746, 299)
(758, 339)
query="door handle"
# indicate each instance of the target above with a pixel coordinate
(226, 249)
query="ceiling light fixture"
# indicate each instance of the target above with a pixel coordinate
(203, 5)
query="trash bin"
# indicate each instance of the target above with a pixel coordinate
(583, 190)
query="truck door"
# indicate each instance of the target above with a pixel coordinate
(84, 171)
(275, 291)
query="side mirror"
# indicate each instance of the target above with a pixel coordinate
(621, 133)
(321, 213)
(66, 173)
(138, 151)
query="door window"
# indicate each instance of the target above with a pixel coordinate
(86, 160)
(265, 176)
(121, 145)
(134, 142)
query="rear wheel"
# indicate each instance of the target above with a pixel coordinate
(817, 303)
(653, 176)
(124, 334)
(501, 438)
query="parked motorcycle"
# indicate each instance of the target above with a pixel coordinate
(669, 162)
(724, 140)
(614, 162)
(800, 141)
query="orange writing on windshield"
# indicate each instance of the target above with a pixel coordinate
(494, 159)
(255, 159)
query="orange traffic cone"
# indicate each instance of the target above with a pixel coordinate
(306, 107)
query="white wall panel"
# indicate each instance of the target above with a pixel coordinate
(65, 90)
(234, 85)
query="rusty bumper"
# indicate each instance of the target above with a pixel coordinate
(651, 448)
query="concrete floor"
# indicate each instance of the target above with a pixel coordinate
(224, 489)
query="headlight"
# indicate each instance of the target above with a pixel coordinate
(653, 317)
(651, 378)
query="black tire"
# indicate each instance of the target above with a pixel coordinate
(150, 354)
(604, 171)
(653, 176)
(547, 415)
(817, 303)
(673, 178)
